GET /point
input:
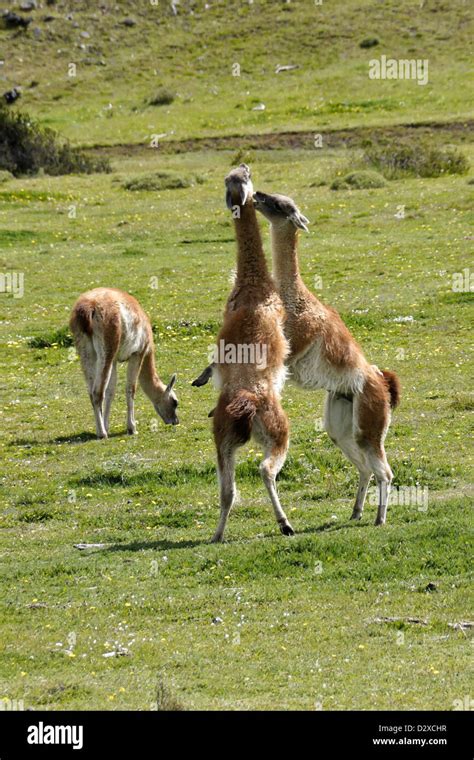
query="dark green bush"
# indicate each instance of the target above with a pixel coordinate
(415, 158)
(160, 181)
(163, 97)
(361, 180)
(61, 337)
(369, 42)
(26, 148)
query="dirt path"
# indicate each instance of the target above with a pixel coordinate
(331, 138)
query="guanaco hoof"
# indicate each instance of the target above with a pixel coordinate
(287, 530)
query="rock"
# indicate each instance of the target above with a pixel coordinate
(462, 625)
(259, 107)
(37, 32)
(430, 586)
(30, 5)
(85, 35)
(413, 620)
(129, 22)
(11, 95)
(119, 652)
(12, 20)
(290, 67)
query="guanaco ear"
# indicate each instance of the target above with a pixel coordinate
(169, 387)
(243, 194)
(228, 199)
(299, 221)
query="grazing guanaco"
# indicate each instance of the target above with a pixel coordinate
(249, 400)
(110, 326)
(325, 355)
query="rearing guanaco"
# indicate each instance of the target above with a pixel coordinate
(249, 402)
(325, 355)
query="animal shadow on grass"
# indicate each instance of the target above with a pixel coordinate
(83, 437)
(332, 527)
(163, 545)
(186, 544)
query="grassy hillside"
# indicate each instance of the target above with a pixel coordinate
(120, 68)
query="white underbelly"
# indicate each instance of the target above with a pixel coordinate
(216, 377)
(313, 371)
(279, 379)
(134, 337)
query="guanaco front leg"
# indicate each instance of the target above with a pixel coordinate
(133, 371)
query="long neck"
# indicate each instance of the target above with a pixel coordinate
(251, 263)
(149, 378)
(285, 256)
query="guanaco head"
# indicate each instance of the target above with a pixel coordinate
(239, 186)
(167, 403)
(279, 209)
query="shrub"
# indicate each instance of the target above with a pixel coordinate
(26, 147)
(61, 337)
(361, 180)
(5, 176)
(369, 42)
(163, 97)
(160, 181)
(415, 158)
(242, 156)
(166, 700)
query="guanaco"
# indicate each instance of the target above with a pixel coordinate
(325, 355)
(110, 326)
(249, 399)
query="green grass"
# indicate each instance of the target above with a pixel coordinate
(290, 635)
(119, 69)
(260, 621)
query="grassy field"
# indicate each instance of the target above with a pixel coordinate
(343, 615)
